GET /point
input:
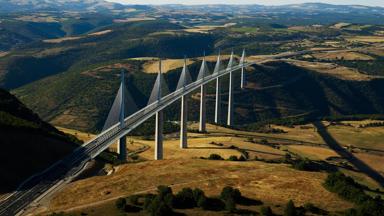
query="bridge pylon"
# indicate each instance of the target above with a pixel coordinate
(122, 143)
(242, 62)
(123, 106)
(159, 125)
(203, 93)
(185, 79)
(218, 91)
(230, 93)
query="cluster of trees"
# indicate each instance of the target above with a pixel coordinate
(164, 202)
(231, 158)
(373, 124)
(305, 164)
(354, 117)
(374, 67)
(350, 190)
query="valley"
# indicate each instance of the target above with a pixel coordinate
(307, 126)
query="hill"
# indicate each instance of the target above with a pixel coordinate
(274, 90)
(267, 175)
(49, 57)
(28, 144)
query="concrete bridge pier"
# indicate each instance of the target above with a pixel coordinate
(242, 84)
(242, 61)
(183, 122)
(218, 101)
(122, 148)
(203, 114)
(230, 101)
(159, 135)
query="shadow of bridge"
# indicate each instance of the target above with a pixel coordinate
(334, 145)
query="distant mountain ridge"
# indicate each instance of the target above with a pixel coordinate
(58, 5)
(314, 7)
(108, 6)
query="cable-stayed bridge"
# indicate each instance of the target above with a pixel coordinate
(118, 126)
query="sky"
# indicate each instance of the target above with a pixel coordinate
(262, 2)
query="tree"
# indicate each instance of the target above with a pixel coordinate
(233, 158)
(185, 199)
(266, 211)
(290, 209)
(121, 203)
(215, 157)
(134, 199)
(230, 193)
(159, 208)
(163, 190)
(230, 204)
(197, 194)
(203, 202)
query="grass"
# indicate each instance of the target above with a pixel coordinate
(274, 184)
(167, 65)
(245, 29)
(255, 179)
(358, 137)
(368, 39)
(312, 153)
(78, 134)
(334, 70)
(346, 55)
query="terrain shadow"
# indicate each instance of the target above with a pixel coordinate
(334, 145)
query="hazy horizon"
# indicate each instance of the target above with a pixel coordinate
(260, 2)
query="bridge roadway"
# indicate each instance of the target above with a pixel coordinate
(66, 169)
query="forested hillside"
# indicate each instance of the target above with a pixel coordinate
(28, 144)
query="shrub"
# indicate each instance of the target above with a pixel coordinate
(132, 209)
(121, 203)
(233, 158)
(159, 208)
(290, 209)
(311, 208)
(148, 200)
(134, 199)
(266, 211)
(347, 188)
(230, 193)
(230, 204)
(215, 157)
(214, 204)
(203, 203)
(185, 199)
(306, 165)
(242, 158)
(197, 194)
(163, 190)
(169, 200)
